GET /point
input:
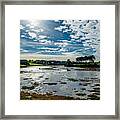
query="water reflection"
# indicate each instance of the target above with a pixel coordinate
(60, 80)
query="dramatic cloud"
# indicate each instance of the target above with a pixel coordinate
(42, 36)
(85, 31)
(60, 37)
(32, 34)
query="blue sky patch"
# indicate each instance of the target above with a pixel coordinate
(60, 37)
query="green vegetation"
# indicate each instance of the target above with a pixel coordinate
(34, 64)
(83, 62)
(26, 63)
(23, 65)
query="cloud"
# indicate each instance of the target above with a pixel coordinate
(60, 28)
(24, 51)
(79, 28)
(32, 34)
(22, 27)
(23, 36)
(57, 37)
(36, 30)
(56, 20)
(85, 31)
(75, 37)
(42, 36)
(61, 44)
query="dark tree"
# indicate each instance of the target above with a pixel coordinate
(85, 58)
(91, 58)
(68, 63)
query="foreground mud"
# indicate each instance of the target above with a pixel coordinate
(48, 96)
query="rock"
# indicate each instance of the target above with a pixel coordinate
(93, 97)
(85, 84)
(41, 76)
(80, 94)
(72, 79)
(83, 88)
(76, 91)
(35, 84)
(54, 91)
(68, 69)
(93, 78)
(97, 84)
(27, 78)
(50, 83)
(28, 87)
(80, 83)
(63, 83)
(49, 93)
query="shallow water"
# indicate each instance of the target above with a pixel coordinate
(60, 80)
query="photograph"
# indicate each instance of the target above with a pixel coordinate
(59, 59)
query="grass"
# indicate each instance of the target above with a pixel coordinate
(23, 66)
(30, 64)
(34, 64)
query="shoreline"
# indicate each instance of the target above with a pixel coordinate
(49, 96)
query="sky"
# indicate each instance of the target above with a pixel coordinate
(60, 38)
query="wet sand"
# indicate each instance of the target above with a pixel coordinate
(59, 83)
(48, 96)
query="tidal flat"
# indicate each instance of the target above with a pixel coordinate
(57, 82)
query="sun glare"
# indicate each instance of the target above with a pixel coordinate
(34, 22)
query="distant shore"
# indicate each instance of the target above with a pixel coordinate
(88, 66)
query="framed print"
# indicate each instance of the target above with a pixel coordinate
(59, 59)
